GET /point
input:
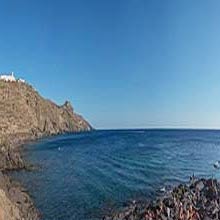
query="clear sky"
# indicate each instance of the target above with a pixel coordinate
(122, 63)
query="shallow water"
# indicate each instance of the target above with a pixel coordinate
(84, 175)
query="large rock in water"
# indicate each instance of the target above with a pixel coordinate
(25, 114)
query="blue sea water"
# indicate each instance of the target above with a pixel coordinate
(82, 176)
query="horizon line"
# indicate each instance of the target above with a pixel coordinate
(159, 128)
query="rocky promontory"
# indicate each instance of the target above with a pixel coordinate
(25, 115)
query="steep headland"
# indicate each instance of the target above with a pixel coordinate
(26, 115)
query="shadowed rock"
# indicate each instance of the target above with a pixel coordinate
(198, 200)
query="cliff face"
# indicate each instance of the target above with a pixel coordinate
(7, 209)
(25, 114)
(15, 203)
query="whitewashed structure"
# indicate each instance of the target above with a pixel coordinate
(8, 78)
(21, 80)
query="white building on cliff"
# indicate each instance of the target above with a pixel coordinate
(8, 78)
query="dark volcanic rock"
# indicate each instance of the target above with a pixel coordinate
(198, 200)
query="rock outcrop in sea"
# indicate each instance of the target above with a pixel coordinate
(25, 116)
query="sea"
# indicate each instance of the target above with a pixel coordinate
(88, 175)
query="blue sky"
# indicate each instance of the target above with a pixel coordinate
(122, 63)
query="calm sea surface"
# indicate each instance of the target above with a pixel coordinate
(82, 176)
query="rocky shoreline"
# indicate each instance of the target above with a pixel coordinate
(198, 200)
(15, 203)
(26, 116)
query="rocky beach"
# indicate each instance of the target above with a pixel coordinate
(200, 199)
(26, 116)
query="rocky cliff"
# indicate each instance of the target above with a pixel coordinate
(25, 114)
(15, 203)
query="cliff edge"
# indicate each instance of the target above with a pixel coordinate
(27, 115)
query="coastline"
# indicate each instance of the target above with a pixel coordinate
(27, 116)
(15, 201)
(197, 200)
